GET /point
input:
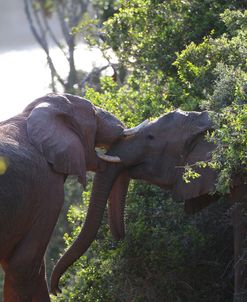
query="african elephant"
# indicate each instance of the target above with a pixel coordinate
(158, 154)
(55, 136)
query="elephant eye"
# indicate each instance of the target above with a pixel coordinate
(150, 136)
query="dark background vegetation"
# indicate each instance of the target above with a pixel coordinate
(170, 54)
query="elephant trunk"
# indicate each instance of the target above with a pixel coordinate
(116, 205)
(102, 185)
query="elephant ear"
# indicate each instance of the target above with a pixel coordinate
(50, 129)
(196, 149)
(116, 205)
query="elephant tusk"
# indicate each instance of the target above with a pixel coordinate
(134, 130)
(109, 158)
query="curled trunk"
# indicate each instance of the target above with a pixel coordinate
(102, 185)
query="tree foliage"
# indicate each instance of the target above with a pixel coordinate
(147, 34)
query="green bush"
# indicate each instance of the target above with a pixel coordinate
(230, 157)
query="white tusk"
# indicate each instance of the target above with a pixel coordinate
(136, 129)
(109, 158)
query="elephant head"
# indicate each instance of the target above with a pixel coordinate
(163, 149)
(157, 154)
(66, 129)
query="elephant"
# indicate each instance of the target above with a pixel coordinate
(55, 136)
(158, 154)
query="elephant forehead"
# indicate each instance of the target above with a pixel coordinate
(168, 121)
(177, 119)
(173, 116)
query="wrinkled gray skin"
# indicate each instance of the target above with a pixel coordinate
(157, 154)
(55, 136)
